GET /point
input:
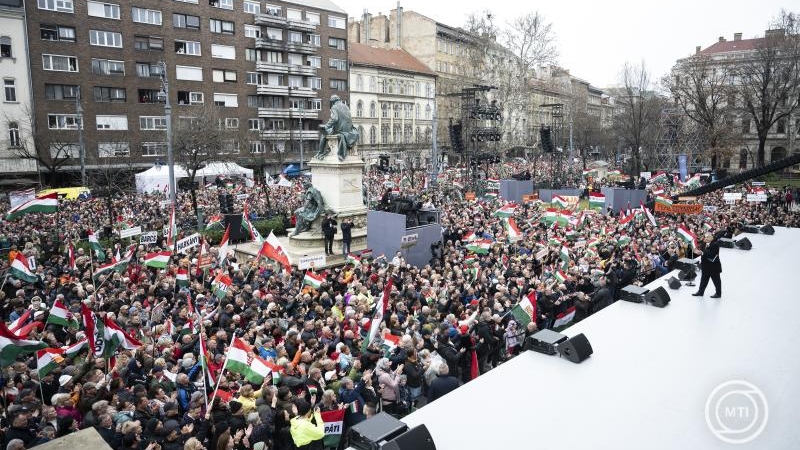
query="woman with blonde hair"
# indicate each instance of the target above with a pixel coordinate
(193, 444)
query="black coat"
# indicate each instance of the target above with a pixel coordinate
(347, 235)
(601, 299)
(442, 385)
(709, 262)
(329, 228)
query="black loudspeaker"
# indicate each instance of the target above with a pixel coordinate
(726, 243)
(744, 244)
(768, 229)
(688, 274)
(633, 293)
(750, 229)
(417, 438)
(238, 233)
(545, 137)
(658, 297)
(674, 283)
(575, 349)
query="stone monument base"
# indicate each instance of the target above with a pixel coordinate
(309, 246)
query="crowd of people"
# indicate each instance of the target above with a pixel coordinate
(445, 323)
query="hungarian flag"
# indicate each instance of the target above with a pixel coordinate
(334, 425)
(47, 359)
(623, 240)
(564, 318)
(687, 236)
(525, 311)
(223, 245)
(11, 346)
(60, 315)
(242, 360)
(469, 237)
(172, 233)
(115, 338)
(492, 184)
(20, 322)
(505, 211)
(597, 201)
(44, 204)
(20, 269)
(623, 219)
(71, 256)
(214, 221)
(273, 250)
(95, 243)
(95, 336)
(73, 349)
(222, 285)
(182, 277)
(564, 255)
(593, 242)
(666, 201)
(559, 202)
(353, 259)
(249, 227)
(560, 276)
(664, 229)
(649, 215)
(390, 342)
(117, 264)
(490, 195)
(209, 378)
(377, 317)
(658, 191)
(313, 279)
(480, 247)
(158, 260)
(512, 229)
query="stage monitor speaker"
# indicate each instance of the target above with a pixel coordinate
(658, 297)
(744, 244)
(633, 293)
(768, 229)
(369, 434)
(750, 229)
(544, 341)
(237, 234)
(726, 243)
(417, 438)
(687, 274)
(575, 349)
(674, 283)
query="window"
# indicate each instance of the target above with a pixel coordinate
(251, 54)
(148, 70)
(360, 109)
(316, 104)
(223, 76)
(223, 4)
(315, 83)
(254, 124)
(148, 43)
(275, 79)
(142, 15)
(780, 127)
(61, 91)
(109, 94)
(385, 110)
(152, 123)
(252, 31)
(226, 100)
(313, 39)
(428, 91)
(105, 38)
(276, 124)
(113, 149)
(294, 14)
(385, 134)
(186, 21)
(314, 61)
(359, 82)
(373, 85)
(337, 22)
(13, 135)
(231, 123)
(154, 148)
(191, 48)
(396, 109)
(273, 10)
(230, 146)
(107, 10)
(65, 150)
(337, 43)
(428, 112)
(255, 101)
(223, 51)
(57, 33)
(295, 81)
(252, 7)
(59, 63)
(339, 85)
(274, 57)
(294, 59)
(111, 122)
(63, 122)
(338, 64)
(189, 73)
(373, 110)
(10, 90)
(275, 33)
(256, 147)
(312, 18)
(220, 26)
(56, 5)
(296, 37)
(190, 98)
(745, 126)
(416, 112)
(148, 95)
(407, 111)
(254, 78)
(372, 134)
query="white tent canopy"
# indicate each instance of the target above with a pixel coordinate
(156, 178)
(224, 169)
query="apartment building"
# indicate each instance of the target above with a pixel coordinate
(262, 67)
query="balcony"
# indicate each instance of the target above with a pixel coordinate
(302, 70)
(301, 25)
(270, 19)
(301, 47)
(272, 67)
(308, 135)
(270, 89)
(302, 92)
(286, 113)
(265, 43)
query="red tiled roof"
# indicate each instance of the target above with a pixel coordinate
(732, 46)
(396, 59)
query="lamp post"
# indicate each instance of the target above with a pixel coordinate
(302, 113)
(163, 96)
(81, 149)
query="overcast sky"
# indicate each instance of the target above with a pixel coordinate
(595, 38)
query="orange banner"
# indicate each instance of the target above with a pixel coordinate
(680, 208)
(528, 198)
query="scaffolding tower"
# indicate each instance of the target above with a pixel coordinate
(677, 135)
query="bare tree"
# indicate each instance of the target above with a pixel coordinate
(637, 115)
(112, 171)
(769, 78)
(51, 150)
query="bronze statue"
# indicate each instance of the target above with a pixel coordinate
(313, 206)
(340, 123)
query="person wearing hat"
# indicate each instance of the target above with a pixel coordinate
(307, 427)
(236, 419)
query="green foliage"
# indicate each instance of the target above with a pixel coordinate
(274, 224)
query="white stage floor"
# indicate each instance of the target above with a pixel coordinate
(652, 371)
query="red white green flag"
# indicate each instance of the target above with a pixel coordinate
(223, 245)
(274, 250)
(564, 318)
(11, 346)
(249, 227)
(512, 229)
(60, 315)
(560, 276)
(313, 280)
(158, 260)
(377, 317)
(687, 236)
(214, 221)
(242, 360)
(597, 201)
(47, 359)
(525, 311)
(182, 277)
(44, 204)
(20, 269)
(334, 426)
(99, 253)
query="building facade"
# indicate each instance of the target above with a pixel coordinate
(15, 109)
(392, 103)
(260, 68)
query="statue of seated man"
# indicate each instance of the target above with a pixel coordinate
(312, 207)
(340, 123)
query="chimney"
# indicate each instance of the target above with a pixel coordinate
(737, 36)
(697, 50)
(722, 39)
(367, 24)
(399, 38)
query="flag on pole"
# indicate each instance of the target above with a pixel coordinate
(377, 317)
(512, 229)
(173, 229)
(249, 227)
(334, 425)
(20, 322)
(666, 201)
(47, 359)
(313, 280)
(73, 349)
(21, 270)
(687, 236)
(210, 378)
(564, 318)
(273, 249)
(222, 285)
(95, 337)
(158, 260)
(182, 277)
(60, 315)
(95, 243)
(559, 202)
(242, 360)
(214, 221)
(597, 201)
(560, 276)
(525, 311)
(649, 215)
(480, 246)
(44, 204)
(115, 338)
(353, 259)
(390, 342)
(505, 211)
(223, 245)
(12, 346)
(564, 254)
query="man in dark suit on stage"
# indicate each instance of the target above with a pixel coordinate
(710, 265)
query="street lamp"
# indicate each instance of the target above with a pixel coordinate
(163, 96)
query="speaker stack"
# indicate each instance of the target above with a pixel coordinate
(576, 349)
